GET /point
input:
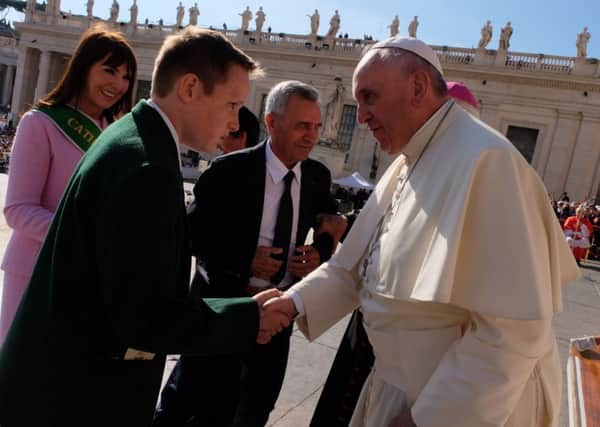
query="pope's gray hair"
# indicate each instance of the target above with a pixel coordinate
(279, 95)
(409, 63)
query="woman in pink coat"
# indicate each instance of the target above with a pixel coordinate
(95, 89)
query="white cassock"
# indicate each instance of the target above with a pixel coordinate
(457, 262)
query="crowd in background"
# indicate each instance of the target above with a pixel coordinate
(581, 224)
(350, 199)
(7, 133)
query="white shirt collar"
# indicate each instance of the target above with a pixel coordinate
(277, 169)
(154, 105)
(423, 135)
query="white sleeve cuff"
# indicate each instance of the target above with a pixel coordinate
(297, 302)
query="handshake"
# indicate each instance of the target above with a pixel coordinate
(276, 313)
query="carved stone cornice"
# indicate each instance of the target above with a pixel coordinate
(567, 82)
(542, 107)
(294, 55)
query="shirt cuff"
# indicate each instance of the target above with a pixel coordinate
(297, 302)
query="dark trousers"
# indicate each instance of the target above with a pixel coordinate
(228, 390)
(350, 369)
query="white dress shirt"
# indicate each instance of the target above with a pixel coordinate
(154, 105)
(274, 186)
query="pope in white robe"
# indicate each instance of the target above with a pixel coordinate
(457, 263)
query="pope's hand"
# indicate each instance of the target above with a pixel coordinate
(283, 304)
(271, 322)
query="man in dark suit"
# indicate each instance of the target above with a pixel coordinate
(108, 295)
(240, 201)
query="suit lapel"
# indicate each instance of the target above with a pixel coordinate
(256, 181)
(306, 190)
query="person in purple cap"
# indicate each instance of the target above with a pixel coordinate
(463, 97)
(461, 328)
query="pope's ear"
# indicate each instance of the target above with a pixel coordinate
(421, 85)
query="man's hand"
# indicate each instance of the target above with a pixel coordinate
(263, 265)
(403, 420)
(262, 297)
(271, 321)
(306, 260)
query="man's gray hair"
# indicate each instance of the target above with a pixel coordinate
(281, 92)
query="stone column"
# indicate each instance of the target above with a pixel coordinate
(480, 56)
(8, 84)
(581, 172)
(17, 94)
(490, 115)
(566, 133)
(3, 71)
(42, 81)
(3, 75)
(52, 11)
(356, 149)
(501, 56)
(29, 11)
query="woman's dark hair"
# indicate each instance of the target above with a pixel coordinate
(249, 124)
(96, 44)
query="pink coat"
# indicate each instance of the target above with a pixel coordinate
(41, 164)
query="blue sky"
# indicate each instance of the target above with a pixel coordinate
(548, 27)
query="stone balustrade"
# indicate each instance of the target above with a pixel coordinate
(345, 46)
(455, 55)
(353, 48)
(555, 63)
(539, 62)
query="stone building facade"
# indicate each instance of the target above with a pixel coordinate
(549, 106)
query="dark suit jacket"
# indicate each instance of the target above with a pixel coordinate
(226, 215)
(113, 274)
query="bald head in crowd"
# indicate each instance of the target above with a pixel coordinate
(245, 137)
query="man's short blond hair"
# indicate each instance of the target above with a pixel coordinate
(205, 53)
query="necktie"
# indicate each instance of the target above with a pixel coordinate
(283, 226)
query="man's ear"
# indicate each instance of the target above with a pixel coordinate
(188, 87)
(420, 87)
(270, 121)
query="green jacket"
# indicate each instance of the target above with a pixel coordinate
(113, 274)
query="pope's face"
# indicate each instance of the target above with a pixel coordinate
(383, 95)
